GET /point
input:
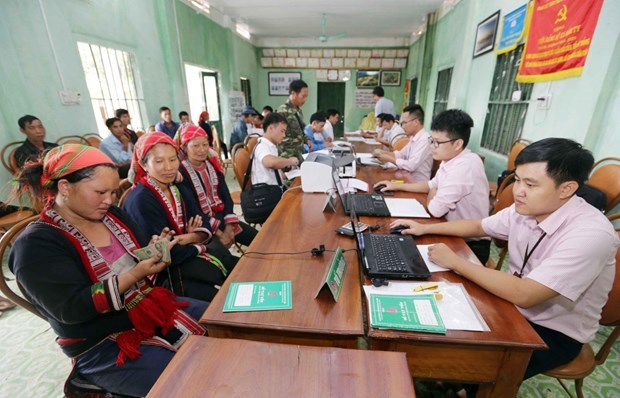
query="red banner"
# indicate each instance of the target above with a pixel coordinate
(558, 42)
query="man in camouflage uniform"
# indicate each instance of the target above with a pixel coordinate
(292, 145)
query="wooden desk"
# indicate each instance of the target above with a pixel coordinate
(297, 224)
(497, 358)
(209, 367)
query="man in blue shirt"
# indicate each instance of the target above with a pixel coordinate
(240, 131)
(383, 105)
(314, 132)
(166, 125)
(117, 145)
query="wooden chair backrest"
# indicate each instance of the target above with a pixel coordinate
(8, 156)
(5, 242)
(241, 160)
(611, 312)
(250, 143)
(72, 139)
(606, 177)
(515, 149)
(93, 139)
(436, 164)
(400, 143)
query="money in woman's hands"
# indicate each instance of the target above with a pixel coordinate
(161, 246)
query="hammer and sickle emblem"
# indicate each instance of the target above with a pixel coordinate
(562, 14)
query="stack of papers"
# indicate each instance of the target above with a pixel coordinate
(408, 312)
(456, 309)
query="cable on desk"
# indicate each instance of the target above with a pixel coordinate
(313, 252)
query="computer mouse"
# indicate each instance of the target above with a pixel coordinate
(379, 187)
(397, 230)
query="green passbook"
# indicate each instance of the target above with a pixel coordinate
(406, 312)
(259, 296)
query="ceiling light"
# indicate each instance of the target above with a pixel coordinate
(202, 5)
(243, 30)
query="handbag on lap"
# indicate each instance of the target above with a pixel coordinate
(259, 200)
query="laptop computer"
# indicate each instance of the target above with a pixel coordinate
(365, 204)
(387, 256)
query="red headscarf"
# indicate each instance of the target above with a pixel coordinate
(204, 116)
(66, 159)
(187, 133)
(143, 146)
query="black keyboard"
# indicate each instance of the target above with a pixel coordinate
(388, 253)
(363, 203)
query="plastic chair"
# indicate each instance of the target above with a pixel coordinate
(72, 139)
(585, 363)
(8, 156)
(605, 176)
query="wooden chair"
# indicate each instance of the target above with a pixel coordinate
(504, 199)
(585, 363)
(93, 139)
(400, 143)
(72, 139)
(121, 192)
(8, 156)
(250, 142)
(241, 160)
(605, 176)
(5, 242)
(515, 149)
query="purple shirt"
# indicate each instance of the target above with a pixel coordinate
(576, 259)
(416, 157)
(462, 189)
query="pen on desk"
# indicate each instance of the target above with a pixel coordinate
(428, 286)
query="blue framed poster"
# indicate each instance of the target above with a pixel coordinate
(512, 29)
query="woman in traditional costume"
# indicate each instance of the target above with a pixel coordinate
(203, 178)
(77, 266)
(155, 202)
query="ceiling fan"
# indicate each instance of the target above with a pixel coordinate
(323, 38)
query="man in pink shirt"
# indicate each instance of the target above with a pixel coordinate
(416, 157)
(460, 189)
(562, 250)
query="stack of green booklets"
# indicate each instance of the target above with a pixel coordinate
(405, 312)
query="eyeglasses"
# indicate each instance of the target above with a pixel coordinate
(403, 122)
(436, 143)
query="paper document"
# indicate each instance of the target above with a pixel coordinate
(372, 161)
(456, 307)
(371, 141)
(258, 296)
(355, 139)
(402, 207)
(350, 133)
(293, 173)
(431, 265)
(351, 184)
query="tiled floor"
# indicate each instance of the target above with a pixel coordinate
(31, 364)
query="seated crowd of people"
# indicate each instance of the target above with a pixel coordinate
(121, 318)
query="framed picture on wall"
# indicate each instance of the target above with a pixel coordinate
(279, 82)
(390, 78)
(485, 35)
(367, 78)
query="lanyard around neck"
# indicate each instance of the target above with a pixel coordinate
(528, 254)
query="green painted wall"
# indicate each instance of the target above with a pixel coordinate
(585, 109)
(30, 81)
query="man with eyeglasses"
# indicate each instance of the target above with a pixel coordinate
(460, 189)
(416, 157)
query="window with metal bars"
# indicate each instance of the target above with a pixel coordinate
(247, 92)
(112, 83)
(444, 77)
(508, 103)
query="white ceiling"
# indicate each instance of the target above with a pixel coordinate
(276, 23)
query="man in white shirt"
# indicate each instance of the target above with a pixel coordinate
(416, 157)
(332, 118)
(383, 105)
(391, 130)
(266, 161)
